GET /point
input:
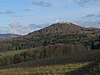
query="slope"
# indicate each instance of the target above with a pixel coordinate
(80, 64)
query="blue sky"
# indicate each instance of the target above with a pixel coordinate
(24, 16)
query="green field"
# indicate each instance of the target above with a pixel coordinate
(12, 53)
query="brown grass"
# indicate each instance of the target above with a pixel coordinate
(46, 70)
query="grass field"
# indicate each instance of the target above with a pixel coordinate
(11, 53)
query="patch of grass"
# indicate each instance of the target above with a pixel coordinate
(12, 53)
(45, 70)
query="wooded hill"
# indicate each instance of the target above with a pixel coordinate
(56, 33)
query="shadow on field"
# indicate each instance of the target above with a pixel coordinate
(90, 69)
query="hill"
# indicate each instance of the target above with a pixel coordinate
(8, 36)
(56, 33)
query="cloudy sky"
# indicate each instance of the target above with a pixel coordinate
(24, 16)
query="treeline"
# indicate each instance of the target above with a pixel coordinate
(43, 52)
(93, 43)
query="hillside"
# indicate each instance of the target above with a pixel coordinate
(83, 57)
(71, 64)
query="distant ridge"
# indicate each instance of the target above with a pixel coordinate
(8, 36)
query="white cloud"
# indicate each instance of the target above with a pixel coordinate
(17, 28)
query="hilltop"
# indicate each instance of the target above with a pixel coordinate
(64, 28)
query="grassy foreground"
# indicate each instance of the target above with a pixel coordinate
(68, 69)
(46, 70)
(75, 64)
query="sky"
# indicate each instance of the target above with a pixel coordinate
(25, 16)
